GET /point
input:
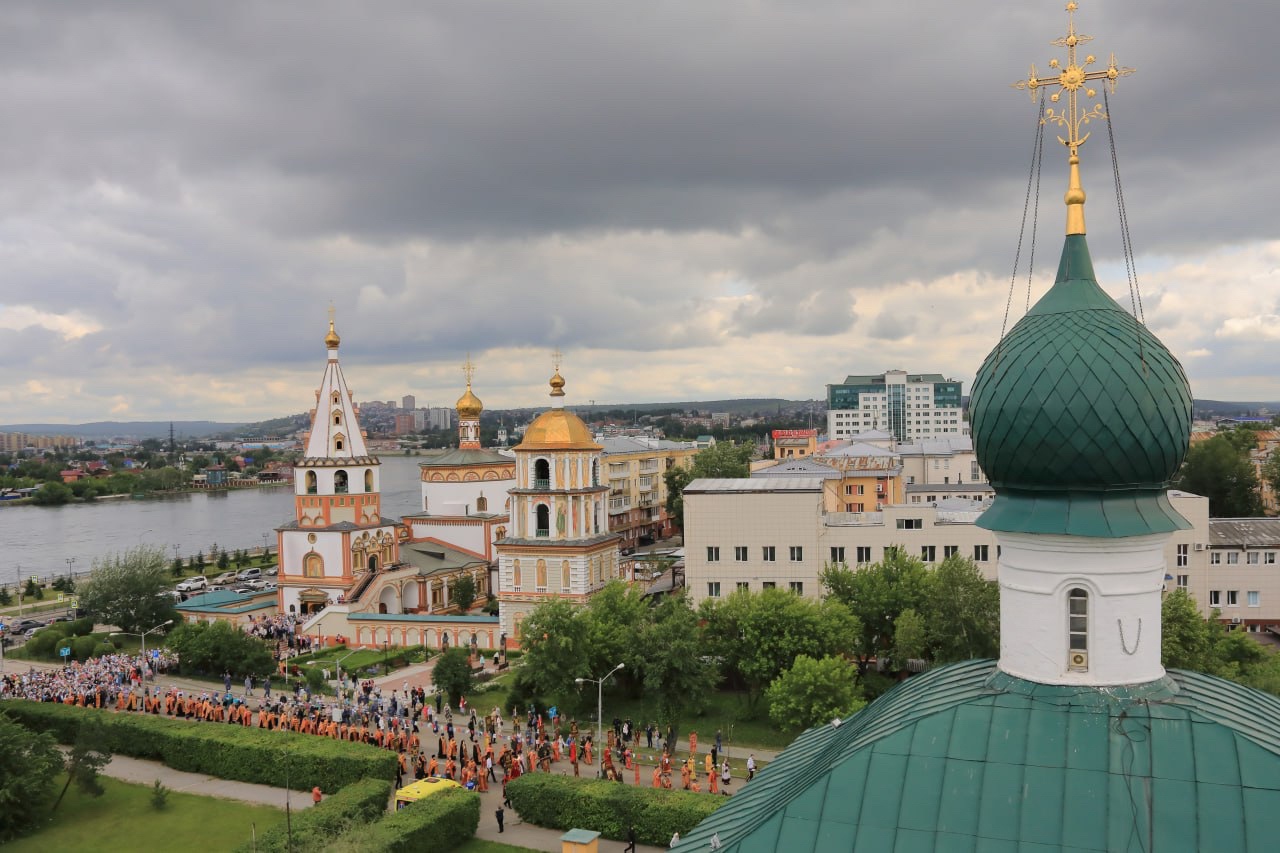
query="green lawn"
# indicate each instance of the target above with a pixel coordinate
(122, 820)
(476, 845)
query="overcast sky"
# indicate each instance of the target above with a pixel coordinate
(692, 200)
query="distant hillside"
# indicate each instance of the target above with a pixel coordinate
(1227, 408)
(742, 406)
(131, 429)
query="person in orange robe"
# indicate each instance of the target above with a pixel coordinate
(657, 777)
(713, 783)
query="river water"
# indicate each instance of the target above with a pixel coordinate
(36, 540)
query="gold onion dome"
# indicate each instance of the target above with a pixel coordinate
(557, 385)
(332, 340)
(560, 430)
(469, 405)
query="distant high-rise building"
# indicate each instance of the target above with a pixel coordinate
(408, 402)
(908, 406)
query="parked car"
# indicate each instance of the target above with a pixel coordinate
(24, 625)
(193, 584)
(224, 579)
(257, 585)
(243, 590)
(273, 570)
(271, 586)
(249, 574)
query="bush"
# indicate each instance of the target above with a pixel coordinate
(83, 648)
(82, 627)
(436, 824)
(159, 796)
(218, 647)
(228, 752)
(355, 805)
(565, 802)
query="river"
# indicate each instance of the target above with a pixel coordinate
(37, 540)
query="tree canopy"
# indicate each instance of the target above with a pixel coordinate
(130, 590)
(29, 763)
(1220, 469)
(217, 647)
(452, 674)
(813, 692)
(721, 460)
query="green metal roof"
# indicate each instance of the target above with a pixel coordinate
(1080, 416)
(968, 758)
(455, 457)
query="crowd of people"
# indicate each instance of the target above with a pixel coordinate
(469, 747)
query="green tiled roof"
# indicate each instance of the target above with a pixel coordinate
(967, 758)
(1080, 416)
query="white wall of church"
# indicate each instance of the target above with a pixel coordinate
(463, 498)
(295, 548)
(469, 536)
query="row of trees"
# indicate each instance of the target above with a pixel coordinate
(1190, 641)
(1222, 469)
(719, 460)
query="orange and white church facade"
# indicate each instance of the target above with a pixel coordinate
(522, 524)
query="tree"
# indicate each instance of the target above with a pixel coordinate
(1186, 638)
(876, 595)
(29, 761)
(217, 647)
(224, 562)
(1218, 470)
(612, 620)
(1271, 471)
(910, 638)
(33, 590)
(176, 570)
(721, 460)
(130, 590)
(962, 611)
(679, 676)
(452, 674)
(463, 592)
(6, 598)
(813, 692)
(89, 754)
(52, 494)
(554, 639)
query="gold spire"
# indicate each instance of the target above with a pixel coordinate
(469, 405)
(1071, 80)
(331, 340)
(557, 381)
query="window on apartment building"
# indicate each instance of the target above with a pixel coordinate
(797, 587)
(910, 524)
(713, 589)
(974, 473)
(1183, 555)
(837, 554)
(950, 550)
(1253, 558)
(911, 480)
(1215, 598)
(1215, 558)
(740, 553)
(848, 507)
(769, 553)
(1233, 598)
(713, 553)
(862, 490)
(769, 585)
(863, 554)
(929, 553)
(848, 490)
(1233, 558)
(1271, 558)
(743, 586)
(1253, 598)
(1184, 581)
(797, 553)
(980, 553)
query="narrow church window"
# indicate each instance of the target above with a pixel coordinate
(1078, 629)
(543, 513)
(368, 480)
(340, 482)
(564, 576)
(541, 474)
(311, 482)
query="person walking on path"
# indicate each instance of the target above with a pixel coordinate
(248, 685)
(498, 814)
(316, 796)
(725, 776)
(751, 766)
(631, 840)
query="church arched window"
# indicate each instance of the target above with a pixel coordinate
(1078, 629)
(543, 513)
(595, 472)
(313, 565)
(564, 575)
(311, 482)
(340, 482)
(541, 474)
(368, 480)
(337, 418)
(337, 398)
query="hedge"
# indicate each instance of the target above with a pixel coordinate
(435, 824)
(610, 808)
(353, 806)
(218, 749)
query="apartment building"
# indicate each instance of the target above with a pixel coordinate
(633, 470)
(766, 532)
(909, 406)
(1242, 579)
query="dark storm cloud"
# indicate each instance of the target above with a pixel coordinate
(188, 175)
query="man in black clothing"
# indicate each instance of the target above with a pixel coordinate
(498, 815)
(631, 840)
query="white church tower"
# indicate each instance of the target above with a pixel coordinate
(338, 538)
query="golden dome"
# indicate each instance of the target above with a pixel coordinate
(469, 405)
(557, 385)
(557, 429)
(331, 340)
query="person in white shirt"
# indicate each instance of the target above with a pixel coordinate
(751, 767)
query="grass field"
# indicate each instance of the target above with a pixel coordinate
(476, 845)
(122, 819)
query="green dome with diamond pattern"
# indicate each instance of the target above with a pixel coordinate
(1080, 416)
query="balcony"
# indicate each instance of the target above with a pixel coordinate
(619, 505)
(542, 483)
(618, 472)
(646, 483)
(543, 532)
(649, 466)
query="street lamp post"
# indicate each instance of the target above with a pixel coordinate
(143, 635)
(599, 683)
(69, 561)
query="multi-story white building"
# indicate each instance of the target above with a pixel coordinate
(772, 531)
(909, 406)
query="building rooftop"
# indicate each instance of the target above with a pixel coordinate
(965, 757)
(799, 468)
(618, 444)
(938, 446)
(1238, 532)
(431, 556)
(456, 458)
(754, 484)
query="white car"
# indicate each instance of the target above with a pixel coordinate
(193, 584)
(249, 575)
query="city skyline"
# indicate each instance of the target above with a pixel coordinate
(690, 202)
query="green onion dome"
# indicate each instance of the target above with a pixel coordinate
(1080, 417)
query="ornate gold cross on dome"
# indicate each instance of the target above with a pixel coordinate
(468, 369)
(555, 359)
(1071, 80)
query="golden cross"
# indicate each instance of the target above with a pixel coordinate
(468, 369)
(1071, 80)
(331, 312)
(555, 359)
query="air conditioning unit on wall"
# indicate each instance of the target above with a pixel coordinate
(1199, 546)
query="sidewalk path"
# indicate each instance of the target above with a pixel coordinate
(142, 772)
